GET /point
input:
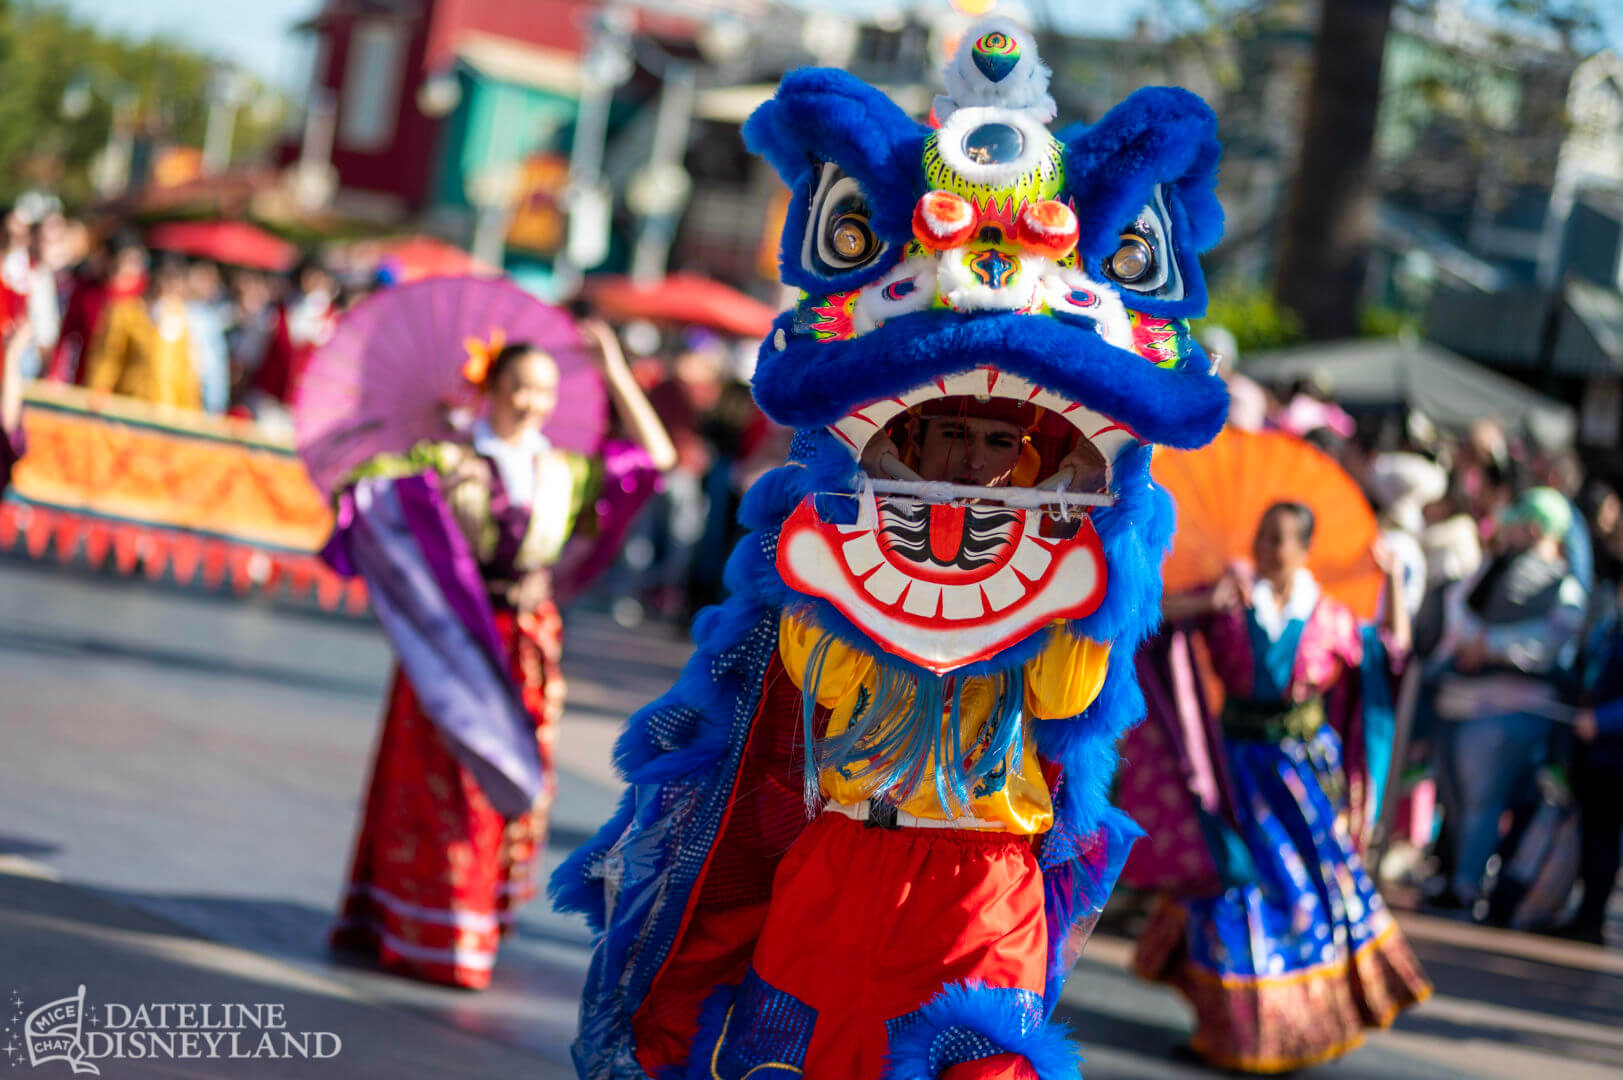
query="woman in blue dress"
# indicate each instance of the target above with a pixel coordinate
(1291, 954)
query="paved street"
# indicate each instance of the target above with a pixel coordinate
(179, 780)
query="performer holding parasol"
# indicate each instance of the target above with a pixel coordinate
(1257, 811)
(459, 535)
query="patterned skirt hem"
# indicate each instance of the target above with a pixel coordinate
(1337, 1002)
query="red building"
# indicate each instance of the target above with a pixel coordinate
(372, 61)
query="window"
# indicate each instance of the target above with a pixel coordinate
(372, 77)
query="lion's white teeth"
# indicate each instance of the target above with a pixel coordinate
(1030, 559)
(862, 553)
(879, 413)
(885, 584)
(1112, 441)
(1054, 403)
(961, 602)
(1005, 385)
(855, 432)
(968, 384)
(1004, 589)
(862, 424)
(923, 598)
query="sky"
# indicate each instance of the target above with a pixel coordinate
(257, 33)
(254, 33)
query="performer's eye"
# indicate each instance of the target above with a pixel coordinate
(1133, 261)
(840, 237)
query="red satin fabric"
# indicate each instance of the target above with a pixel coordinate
(438, 872)
(867, 925)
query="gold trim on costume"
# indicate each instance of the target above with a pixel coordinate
(715, 1055)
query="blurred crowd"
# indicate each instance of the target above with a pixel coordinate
(698, 383)
(1512, 560)
(108, 313)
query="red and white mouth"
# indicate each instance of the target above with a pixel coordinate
(948, 575)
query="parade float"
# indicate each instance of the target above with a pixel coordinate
(174, 495)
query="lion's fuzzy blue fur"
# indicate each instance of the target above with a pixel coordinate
(681, 754)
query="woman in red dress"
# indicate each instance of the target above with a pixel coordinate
(458, 542)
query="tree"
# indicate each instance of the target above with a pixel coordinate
(45, 52)
(1329, 221)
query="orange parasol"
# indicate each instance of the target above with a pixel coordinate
(1223, 490)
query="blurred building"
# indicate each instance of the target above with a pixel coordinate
(1510, 149)
(429, 111)
(1500, 153)
(1494, 136)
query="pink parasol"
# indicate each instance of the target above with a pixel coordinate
(391, 375)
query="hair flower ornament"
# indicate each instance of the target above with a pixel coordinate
(481, 354)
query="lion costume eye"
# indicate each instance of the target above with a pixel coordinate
(1134, 260)
(851, 238)
(841, 237)
(1144, 261)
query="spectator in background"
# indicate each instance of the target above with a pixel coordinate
(1451, 540)
(1597, 776)
(1562, 471)
(1484, 472)
(1510, 632)
(25, 272)
(253, 325)
(86, 292)
(1308, 408)
(735, 429)
(1603, 510)
(44, 309)
(15, 262)
(143, 348)
(308, 315)
(206, 312)
(675, 520)
(14, 331)
(1402, 486)
(127, 281)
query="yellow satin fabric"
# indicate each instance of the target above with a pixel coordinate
(1061, 681)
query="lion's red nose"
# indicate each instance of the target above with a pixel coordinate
(943, 220)
(1048, 228)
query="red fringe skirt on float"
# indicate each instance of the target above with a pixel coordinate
(438, 872)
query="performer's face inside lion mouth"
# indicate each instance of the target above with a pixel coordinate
(969, 450)
(986, 444)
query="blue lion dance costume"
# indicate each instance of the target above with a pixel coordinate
(868, 830)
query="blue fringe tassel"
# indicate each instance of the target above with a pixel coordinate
(911, 728)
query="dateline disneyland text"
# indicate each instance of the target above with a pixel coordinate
(81, 1033)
